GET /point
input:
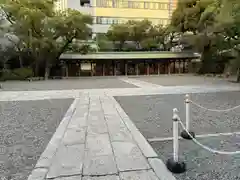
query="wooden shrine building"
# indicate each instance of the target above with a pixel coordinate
(126, 63)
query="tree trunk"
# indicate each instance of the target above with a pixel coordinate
(47, 69)
(20, 62)
(36, 70)
(238, 75)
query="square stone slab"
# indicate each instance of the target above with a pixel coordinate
(97, 129)
(69, 178)
(77, 123)
(138, 175)
(120, 134)
(74, 136)
(100, 165)
(129, 156)
(67, 161)
(38, 174)
(107, 177)
(98, 145)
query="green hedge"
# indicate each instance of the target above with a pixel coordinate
(16, 74)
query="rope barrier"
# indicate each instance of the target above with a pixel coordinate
(214, 110)
(206, 147)
(174, 164)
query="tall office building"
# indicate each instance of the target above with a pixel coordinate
(107, 12)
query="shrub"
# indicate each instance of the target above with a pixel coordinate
(16, 74)
(23, 73)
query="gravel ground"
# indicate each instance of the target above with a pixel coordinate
(153, 117)
(25, 130)
(183, 80)
(84, 83)
(153, 114)
(201, 164)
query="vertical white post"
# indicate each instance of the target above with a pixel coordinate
(175, 135)
(187, 103)
(185, 134)
(174, 164)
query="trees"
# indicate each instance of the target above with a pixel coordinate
(204, 19)
(118, 33)
(138, 31)
(143, 34)
(44, 33)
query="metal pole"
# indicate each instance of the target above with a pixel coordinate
(187, 103)
(174, 164)
(185, 134)
(175, 135)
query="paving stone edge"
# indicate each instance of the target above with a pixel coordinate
(156, 164)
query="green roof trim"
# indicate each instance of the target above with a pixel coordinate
(132, 55)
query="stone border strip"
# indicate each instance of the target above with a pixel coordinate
(156, 164)
(39, 95)
(145, 147)
(45, 160)
(139, 83)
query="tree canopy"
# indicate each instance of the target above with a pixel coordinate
(43, 32)
(143, 34)
(210, 27)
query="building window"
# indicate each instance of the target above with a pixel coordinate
(85, 2)
(154, 5)
(146, 5)
(130, 4)
(118, 20)
(99, 20)
(115, 3)
(104, 3)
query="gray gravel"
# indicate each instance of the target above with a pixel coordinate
(25, 130)
(153, 114)
(84, 83)
(184, 80)
(153, 117)
(201, 164)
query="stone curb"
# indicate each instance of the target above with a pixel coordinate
(160, 169)
(156, 164)
(44, 162)
(142, 143)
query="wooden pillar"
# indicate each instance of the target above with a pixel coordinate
(79, 69)
(115, 68)
(184, 64)
(137, 70)
(103, 69)
(174, 66)
(158, 68)
(169, 67)
(91, 69)
(179, 66)
(63, 69)
(148, 69)
(66, 68)
(126, 68)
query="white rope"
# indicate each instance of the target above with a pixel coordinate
(206, 147)
(214, 110)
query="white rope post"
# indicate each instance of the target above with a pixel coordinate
(175, 135)
(173, 164)
(187, 105)
(185, 134)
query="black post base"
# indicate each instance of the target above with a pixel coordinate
(185, 135)
(176, 167)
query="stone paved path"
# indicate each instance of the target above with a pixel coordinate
(96, 140)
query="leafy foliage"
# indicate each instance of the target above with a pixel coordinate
(213, 26)
(44, 32)
(143, 34)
